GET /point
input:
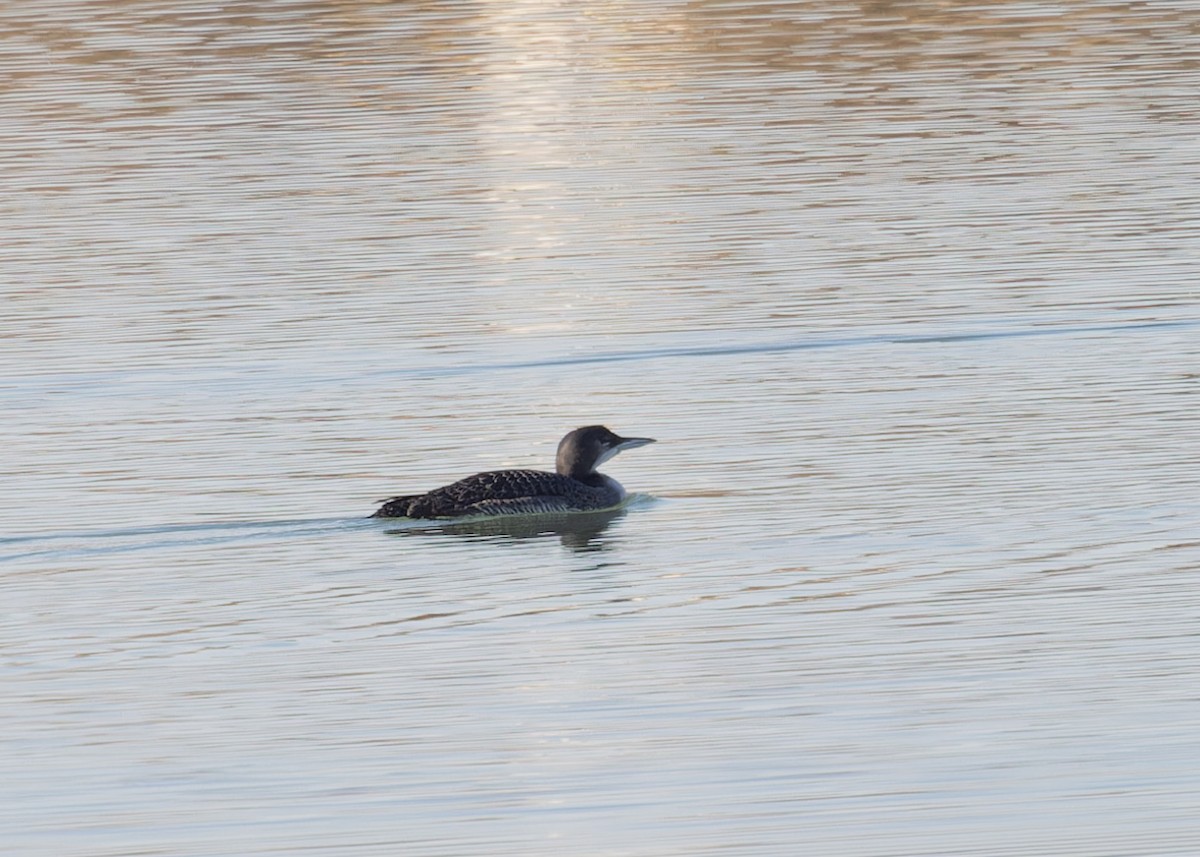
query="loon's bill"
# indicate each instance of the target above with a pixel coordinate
(575, 486)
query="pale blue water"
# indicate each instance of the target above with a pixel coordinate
(907, 295)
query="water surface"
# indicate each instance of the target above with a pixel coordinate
(907, 293)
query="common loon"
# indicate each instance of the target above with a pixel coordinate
(574, 487)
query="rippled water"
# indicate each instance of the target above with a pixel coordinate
(907, 293)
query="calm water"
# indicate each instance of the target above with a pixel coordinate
(907, 292)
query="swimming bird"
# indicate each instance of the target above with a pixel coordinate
(575, 486)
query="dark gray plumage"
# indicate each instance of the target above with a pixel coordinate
(574, 487)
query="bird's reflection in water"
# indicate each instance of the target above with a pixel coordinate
(578, 531)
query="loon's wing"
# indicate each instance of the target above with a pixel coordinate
(537, 505)
(494, 492)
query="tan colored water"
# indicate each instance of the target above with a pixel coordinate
(907, 292)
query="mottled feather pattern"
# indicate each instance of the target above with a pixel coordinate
(505, 492)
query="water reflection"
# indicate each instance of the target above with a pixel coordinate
(578, 532)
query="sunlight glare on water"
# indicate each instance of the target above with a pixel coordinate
(906, 292)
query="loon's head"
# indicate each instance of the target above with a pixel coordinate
(585, 449)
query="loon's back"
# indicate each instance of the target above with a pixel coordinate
(508, 492)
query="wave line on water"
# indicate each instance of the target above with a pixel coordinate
(33, 388)
(126, 532)
(168, 536)
(777, 347)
